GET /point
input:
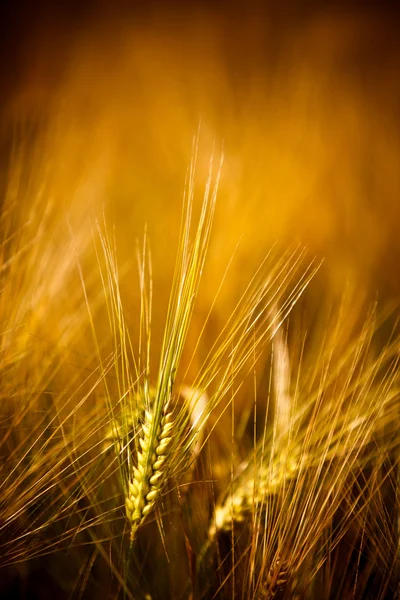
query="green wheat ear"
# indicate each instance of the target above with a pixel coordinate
(159, 428)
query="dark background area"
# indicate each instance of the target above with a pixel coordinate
(23, 21)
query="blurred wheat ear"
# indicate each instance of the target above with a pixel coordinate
(305, 482)
(41, 319)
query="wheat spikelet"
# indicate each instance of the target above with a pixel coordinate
(145, 487)
(145, 456)
(276, 580)
(251, 492)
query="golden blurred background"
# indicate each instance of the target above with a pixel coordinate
(305, 108)
(100, 104)
(303, 100)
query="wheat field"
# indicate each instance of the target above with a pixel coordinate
(200, 302)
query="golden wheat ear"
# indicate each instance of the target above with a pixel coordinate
(295, 480)
(144, 420)
(159, 428)
(157, 435)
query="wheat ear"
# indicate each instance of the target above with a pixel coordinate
(322, 428)
(147, 477)
(155, 455)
